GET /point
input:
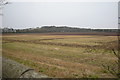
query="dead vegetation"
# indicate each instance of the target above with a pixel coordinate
(63, 56)
(112, 68)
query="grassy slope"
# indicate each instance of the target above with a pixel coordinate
(62, 61)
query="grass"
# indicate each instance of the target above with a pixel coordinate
(62, 55)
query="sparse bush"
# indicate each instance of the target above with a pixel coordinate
(112, 69)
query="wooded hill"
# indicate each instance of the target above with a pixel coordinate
(48, 29)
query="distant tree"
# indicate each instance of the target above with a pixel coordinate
(46, 29)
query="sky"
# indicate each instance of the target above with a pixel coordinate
(96, 15)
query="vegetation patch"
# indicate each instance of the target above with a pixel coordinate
(70, 56)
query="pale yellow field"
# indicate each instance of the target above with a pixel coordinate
(63, 55)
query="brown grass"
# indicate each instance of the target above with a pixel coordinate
(54, 57)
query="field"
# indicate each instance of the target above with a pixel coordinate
(69, 56)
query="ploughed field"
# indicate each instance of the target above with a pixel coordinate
(70, 56)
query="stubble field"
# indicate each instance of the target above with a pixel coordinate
(63, 56)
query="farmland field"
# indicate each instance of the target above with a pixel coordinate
(70, 56)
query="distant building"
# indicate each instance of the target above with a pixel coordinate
(8, 30)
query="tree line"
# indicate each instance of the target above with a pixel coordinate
(48, 29)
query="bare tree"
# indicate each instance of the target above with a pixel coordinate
(2, 3)
(113, 70)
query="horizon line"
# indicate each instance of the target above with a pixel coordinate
(60, 26)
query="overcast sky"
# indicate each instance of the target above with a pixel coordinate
(77, 14)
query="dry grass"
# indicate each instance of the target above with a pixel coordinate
(62, 55)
